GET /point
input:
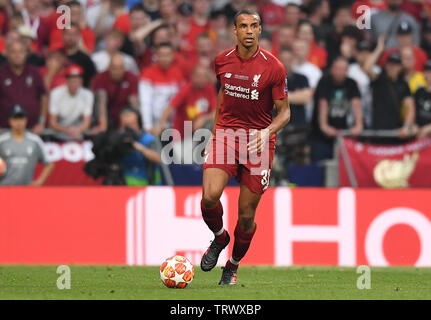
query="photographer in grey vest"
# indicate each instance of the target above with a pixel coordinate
(21, 150)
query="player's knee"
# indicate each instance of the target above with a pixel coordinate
(210, 199)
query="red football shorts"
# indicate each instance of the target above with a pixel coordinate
(229, 153)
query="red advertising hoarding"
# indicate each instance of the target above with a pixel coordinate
(143, 226)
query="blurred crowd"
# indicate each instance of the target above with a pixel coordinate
(80, 68)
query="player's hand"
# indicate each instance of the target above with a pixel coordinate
(258, 138)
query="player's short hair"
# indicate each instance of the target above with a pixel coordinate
(248, 12)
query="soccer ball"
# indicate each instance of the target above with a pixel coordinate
(2, 167)
(177, 272)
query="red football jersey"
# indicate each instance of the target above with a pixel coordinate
(250, 87)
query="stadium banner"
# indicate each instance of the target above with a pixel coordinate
(395, 166)
(69, 159)
(144, 226)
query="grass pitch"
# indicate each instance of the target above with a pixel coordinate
(117, 282)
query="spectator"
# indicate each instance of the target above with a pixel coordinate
(293, 15)
(387, 22)
(342, 19)
(218, 23)
(113, 40)
(77, 17)
(30, 15)
(140, 166)
(152, 8)
(387, 107)
(199, 22)
(158, 84)
(168, 12)
(195, 102)
(405, 40)
(300, 92)
(137, 29)
(232, 7)
(265, 40)
(423, 105)
(350, 38)
(319, 11)
(160, 34)
(225, 40)
(415, 79)
(115, 89)
(426, 38)
(21, 83)
(356, 72)
(284, 38)
(302, 66)
(22, 150)
(71, 106)
(101, 16)
(317, 55)
(272, 14)
(72, 47)
(204, 54)
(337, 97)
(54, 70)
(28, 38)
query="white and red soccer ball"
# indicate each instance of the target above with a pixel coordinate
(176, 272)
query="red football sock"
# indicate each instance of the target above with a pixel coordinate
(241, 245)
(213, 217)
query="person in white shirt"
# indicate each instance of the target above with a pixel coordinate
(306, 68)
(71, 106)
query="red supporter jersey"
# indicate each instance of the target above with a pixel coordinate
(250, 87)
(191, 103)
